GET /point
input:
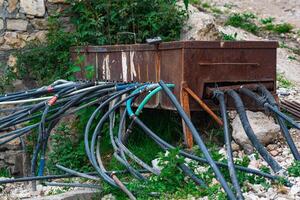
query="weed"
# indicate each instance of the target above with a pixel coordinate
(229, 37)
(292, 58)
(283, 28)
(195, 2)
(294, 169)
(267, 20)
(56, 191)
(276, 28)
(216, 10)
(206, 5)
(283, 45)
(4, 172)
(283, 82)
(244, 21)
(6, 77)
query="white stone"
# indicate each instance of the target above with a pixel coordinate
(264, 127)
(33, 7)
(39, 24)
(294, 190)
(155, 164)
(17, 25)
(12, 5)
(12, 61)
(199, 26)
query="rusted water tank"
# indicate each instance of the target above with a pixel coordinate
(198, 65)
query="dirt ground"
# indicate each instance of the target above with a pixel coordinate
(282, 10)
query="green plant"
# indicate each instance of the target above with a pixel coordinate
(105, 22)
(67, 150)
(283, 81)
(279, 28)
(292, 58)
(244, 21)
(47, 61)
(6, 77)
(229, 37)
(267, 20)
(96, 22)
(4, 172)
(283, 28)
(294, 169)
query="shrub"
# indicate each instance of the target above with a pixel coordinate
(97, 22)
(244, 21)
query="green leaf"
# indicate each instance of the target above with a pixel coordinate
(75, 69)
(186, 3)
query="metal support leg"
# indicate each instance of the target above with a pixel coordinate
(184, 99)
(204, 106)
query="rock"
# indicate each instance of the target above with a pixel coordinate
(15, 40)
(12, 5)
(108, 197)
(254, 164)
(17, 24)
(240, 34)
(265, 129)
(274, 152)
(1, 24)
(235, 146)
(295, 190)
(199, 26)
(40, 24)
(12, 61)
(12, 157)
(271, 147)
(1, 3)
(79, 194)
(33, 7)
(40, 36)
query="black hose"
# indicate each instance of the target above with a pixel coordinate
(285, 132)
(250, 133)
(198, 140)
(232, 172)
(263, 102)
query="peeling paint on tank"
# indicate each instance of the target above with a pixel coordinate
(106, 68)
(132, 67)
(124, 66)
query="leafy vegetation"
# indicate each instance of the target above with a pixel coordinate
(4, 172)
(96, 22)
(283, 82)
(276, 28)
(244, 21)
(294, 169)
(248, 22)
(229, 37)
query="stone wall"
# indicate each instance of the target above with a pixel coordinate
(22, 21)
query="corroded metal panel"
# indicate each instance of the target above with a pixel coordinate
(200, 65)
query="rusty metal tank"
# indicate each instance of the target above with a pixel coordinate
(198, 65)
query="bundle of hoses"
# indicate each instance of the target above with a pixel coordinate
(50, 104)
